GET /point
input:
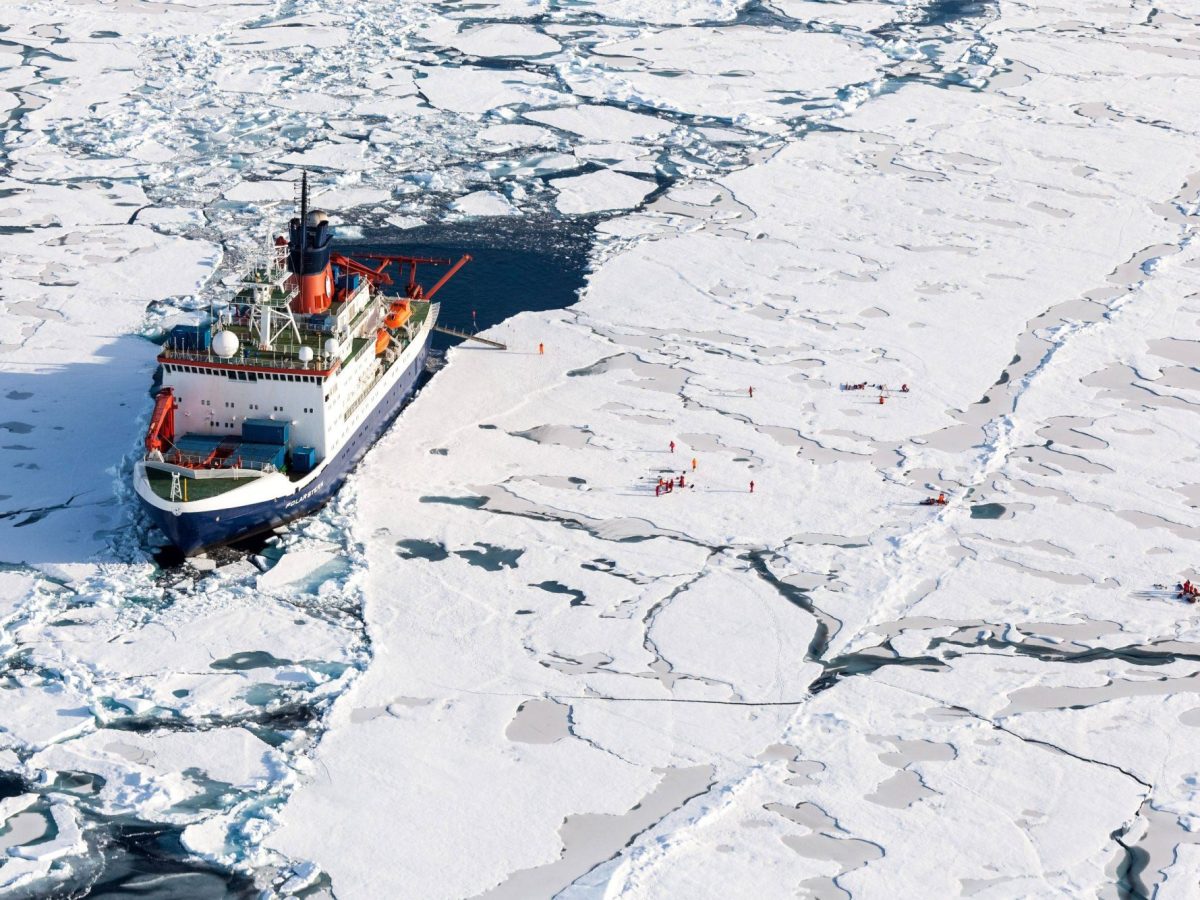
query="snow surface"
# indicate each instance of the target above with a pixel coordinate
(484, 203)
(601, 190)
(508, 667)
(501, 41)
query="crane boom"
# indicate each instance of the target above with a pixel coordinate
(162, 420)
(458, 265)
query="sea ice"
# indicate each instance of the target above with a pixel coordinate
(516, 644)
(484, 203)
(608, 123)
(470, 90)
(503, 41)
(601, 190)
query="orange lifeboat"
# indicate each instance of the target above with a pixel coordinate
(398, 314)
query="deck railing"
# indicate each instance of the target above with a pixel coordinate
(203, 462)
(260, 358)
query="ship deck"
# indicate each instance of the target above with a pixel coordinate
(194, 488)
(286, 350)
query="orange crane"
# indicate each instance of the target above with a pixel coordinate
(379, 275)
(162, 420)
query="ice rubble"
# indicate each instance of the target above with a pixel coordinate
(736, 71)
(476, 90)
(588, 687)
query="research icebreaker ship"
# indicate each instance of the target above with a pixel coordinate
(267, 405)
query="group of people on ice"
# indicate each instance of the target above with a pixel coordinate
(679, 482)
(862, 386)
(668, 485)
(1188, 591)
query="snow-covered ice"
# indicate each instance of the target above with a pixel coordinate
(501, 663)
(602, 190)
(484, 203)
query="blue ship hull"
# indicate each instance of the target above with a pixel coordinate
(193, 532)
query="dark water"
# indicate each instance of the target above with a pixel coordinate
(249, 659)
(491, 557)
(170, 560)
(517, 264)
(10, 785)
(147, 861)
(578, 598)
(948, 12)
(414, 548)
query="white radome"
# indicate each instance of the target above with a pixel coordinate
(306, 354)
(225, 344)
(331, 346)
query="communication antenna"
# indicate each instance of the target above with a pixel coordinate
(303, 213)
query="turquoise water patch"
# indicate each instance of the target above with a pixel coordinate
(988, 510)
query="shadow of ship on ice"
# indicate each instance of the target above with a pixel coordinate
(67, 432)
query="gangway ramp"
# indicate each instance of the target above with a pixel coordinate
(466, 335)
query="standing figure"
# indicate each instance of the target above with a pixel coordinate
(672, 446)
(752, 487)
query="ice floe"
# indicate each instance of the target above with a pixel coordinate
(602, 190)
(484, 203)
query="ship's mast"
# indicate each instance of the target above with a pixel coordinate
(270, 310)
